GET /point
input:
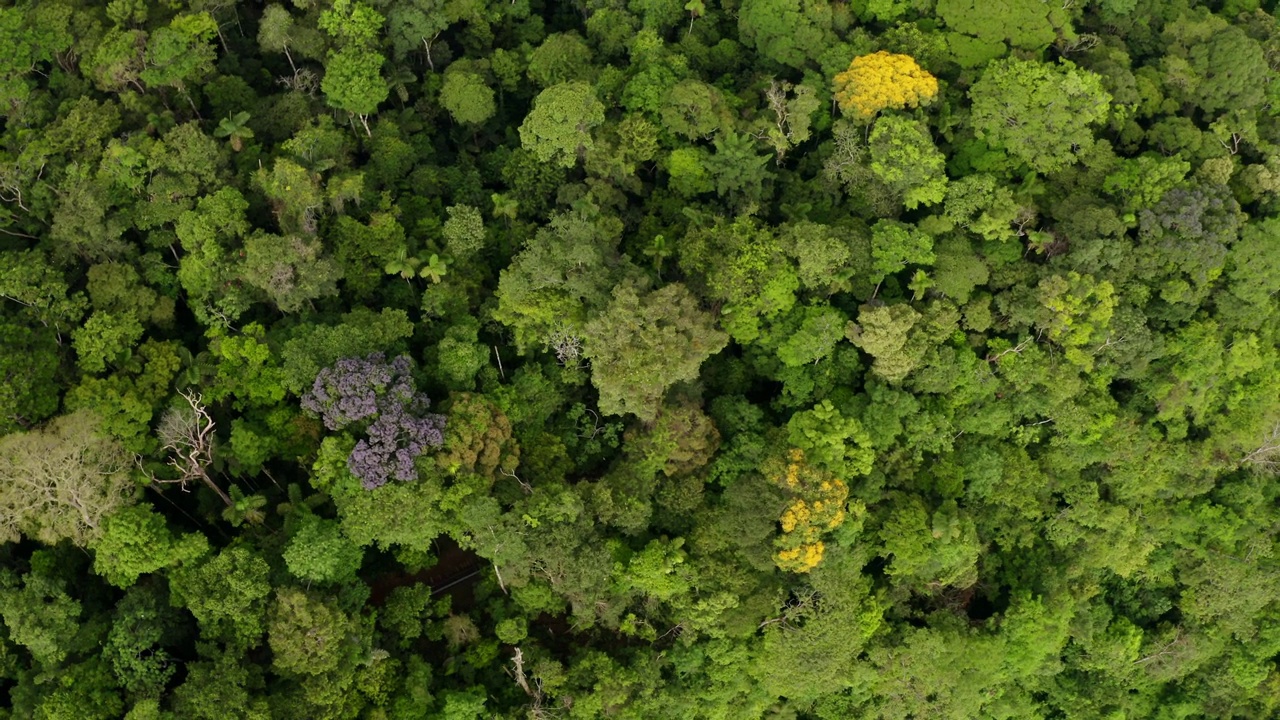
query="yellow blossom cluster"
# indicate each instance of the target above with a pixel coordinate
(883, 80)
(800, 559)
(819, 508)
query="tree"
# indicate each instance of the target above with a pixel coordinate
(979, 204)
(353, 82)
(788, 32)
(186, 433)
(60, 482)
(417, 24)
(826, 255)
(362, 250)
(136, 541)
(295, 194)
(226, 593)
(1023, 23)
(1185, 238)
(1252, 274)
(693, 109)
(1079, 311)
(39, 613)
(33, 37)
(30, 280)
(743, 265)
(821, 327)
(904, 157)
(278, 32)
(818, 509)
(643, 343)
(218, 686)
(831, 440)
(245, 369)
(558, 129)
(461, 355)
(28, 393)
(680, 441)
(290, 270)
(467, 98)
(478, 438)
(208, 235)
(563, 273)
(1140, 182)
(352, 23)
(738, 170)
(935, 549)
(883, 80)
(104, 338)
(1040, 113)
(1232, 69)
(180, 53)
(895, 245)
(235, 129)
(360, 332)
(884, 332)
(308, 636)
(562, 57)
(792, 115)
(687, 171)
(464, 233)
(143, 624)
(380, 397)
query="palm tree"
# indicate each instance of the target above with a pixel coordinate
(234, 127)
(505, 206)
(435, 269)
(403, 265)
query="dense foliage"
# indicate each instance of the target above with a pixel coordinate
(786, 359)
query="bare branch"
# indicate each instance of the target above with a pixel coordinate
(187, 435)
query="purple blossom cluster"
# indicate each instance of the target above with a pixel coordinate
(355, 390)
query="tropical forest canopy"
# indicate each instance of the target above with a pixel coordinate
(639, 359)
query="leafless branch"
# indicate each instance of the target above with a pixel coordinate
(187, 435)
(524, 484)
(1015, 349)
(1267, 455)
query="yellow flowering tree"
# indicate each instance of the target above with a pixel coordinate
(818, 507)
(883, 80)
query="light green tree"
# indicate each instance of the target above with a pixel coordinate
(136, 541)
(1040, 113)
(1028, 24)
(884, 332)
(558, 129)
(464, 233)
(467, 97)
(62, 481)
(787, 32)
(895, 245)
(353, 82)
(904, 157)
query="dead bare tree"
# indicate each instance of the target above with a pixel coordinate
(537, 710)
(187, 435)
(567, 345)
(1267, 455)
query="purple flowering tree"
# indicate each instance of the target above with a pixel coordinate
(379, 396)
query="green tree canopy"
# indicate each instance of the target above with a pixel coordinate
(1040, 113)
